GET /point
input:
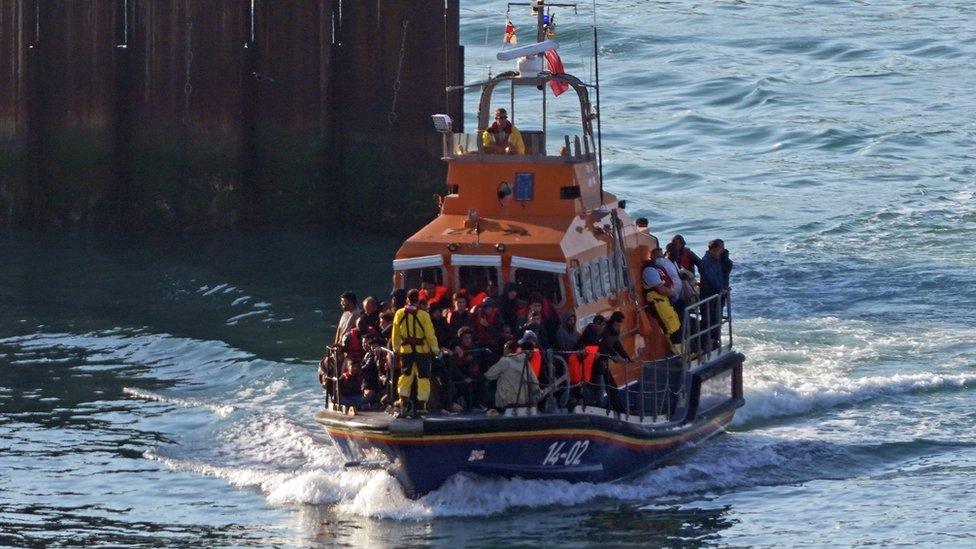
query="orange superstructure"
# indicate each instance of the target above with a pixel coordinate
(540, 220)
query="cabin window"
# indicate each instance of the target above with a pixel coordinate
(593, 276)
(413, 278)
(598, 275)
(576, 275)
(475, 279)
(524, 186)
(548, 284)
(621, 270)
(609, 280)
(585, 283)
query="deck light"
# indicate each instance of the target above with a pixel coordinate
(500, 247)
(452, 247)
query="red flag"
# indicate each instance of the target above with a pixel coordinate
(556, 67)
(510, 37)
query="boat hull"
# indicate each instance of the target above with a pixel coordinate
(575, 447)
(422, 464)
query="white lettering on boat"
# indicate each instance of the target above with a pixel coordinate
(571, 456)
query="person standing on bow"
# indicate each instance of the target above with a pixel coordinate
(502, 137)
(415, 342)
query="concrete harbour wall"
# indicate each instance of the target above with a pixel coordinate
(190, 115)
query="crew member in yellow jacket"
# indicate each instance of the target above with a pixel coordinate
(502, 137)
(415, 342)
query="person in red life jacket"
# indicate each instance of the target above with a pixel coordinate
(415, 342)
(352, 346)
(685, 258)
(434, 294)
(657, 297)
(689, 288)
(502, 137)
(479, 297)
(351, 385)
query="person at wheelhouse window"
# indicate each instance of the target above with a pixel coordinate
(502, 137)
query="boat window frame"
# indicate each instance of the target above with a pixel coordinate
(493, 268)
(402, 278)
(560, 287)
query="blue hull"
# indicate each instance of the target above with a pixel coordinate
(576, 447)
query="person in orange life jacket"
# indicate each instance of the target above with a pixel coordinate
(502, 137)
(415, 342)
(529, 344)
(479, 297)
(434, 294)
(685, 258)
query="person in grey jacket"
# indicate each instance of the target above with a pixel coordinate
(517, 385)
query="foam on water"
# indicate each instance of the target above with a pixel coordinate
(221, 410)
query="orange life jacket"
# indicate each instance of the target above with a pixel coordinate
(582, 370)
(535, 362)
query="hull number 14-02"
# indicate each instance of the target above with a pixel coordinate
(564, 453)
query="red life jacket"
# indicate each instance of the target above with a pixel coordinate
(500, 134)
(353, 347)
(668, 281)
(477, 299)
(684, 260)
(582, 370)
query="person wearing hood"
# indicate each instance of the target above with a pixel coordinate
(517, 386)
(567, 337)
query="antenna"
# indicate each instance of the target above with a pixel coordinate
(599, 112)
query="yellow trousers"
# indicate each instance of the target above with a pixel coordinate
(415, 367)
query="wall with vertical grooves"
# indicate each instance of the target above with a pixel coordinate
(189, 115)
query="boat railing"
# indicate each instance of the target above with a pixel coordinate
(706, 329)
(469, 147)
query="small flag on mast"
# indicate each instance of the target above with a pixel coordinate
(510, 37)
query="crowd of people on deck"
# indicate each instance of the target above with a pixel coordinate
(477, 349)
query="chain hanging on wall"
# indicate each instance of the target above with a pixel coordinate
(187, 85)
(392, 117)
